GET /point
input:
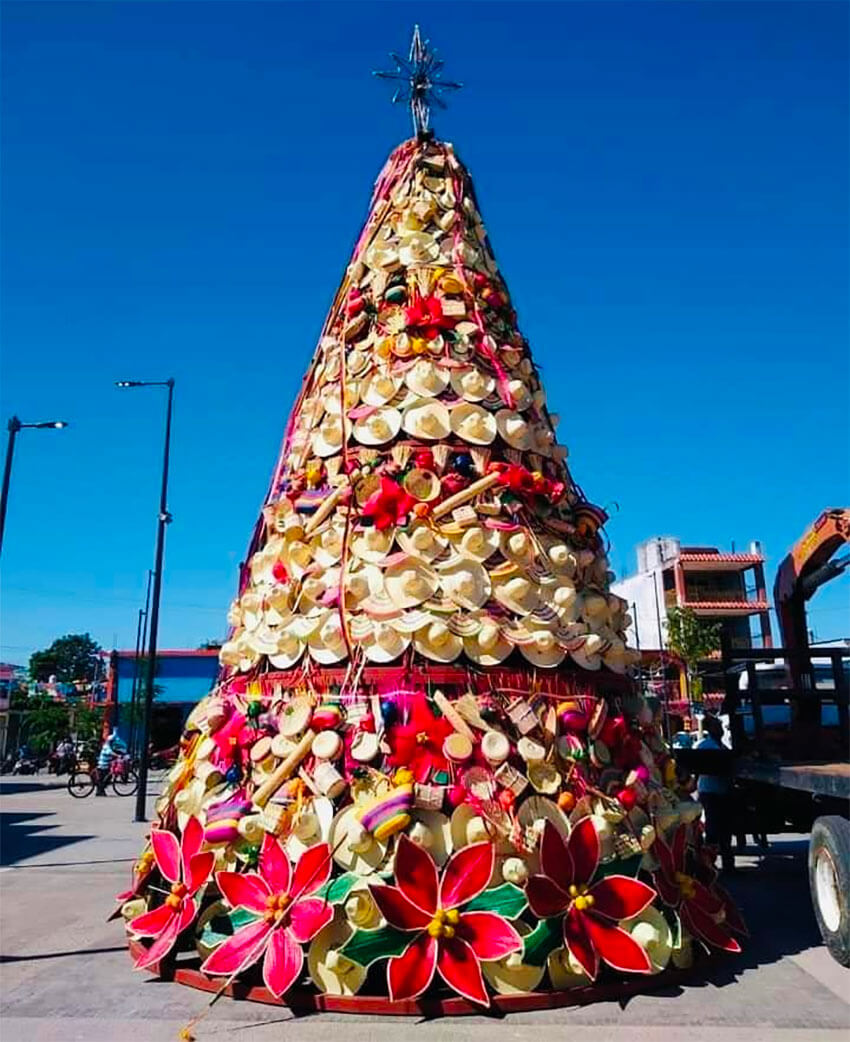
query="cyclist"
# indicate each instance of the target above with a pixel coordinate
(112, 747)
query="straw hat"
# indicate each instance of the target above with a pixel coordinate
(417, 248)
(327, 545)
(487, 647)
(587, 655)
(311, 826)
(513, 429)
(565, 971)
(384, 643)
(437, 642)
(472, 384)
(426, 419)
(520, 394)
(431, 830)
(372, 544)
(263, 640)
(517, 593)
(510, 975)
(379, 388)
(289, 650)
(361, 580)
(544, 650)
(378, 427)
(297, 557)
(542, 439)
(562, 559)
(652, 932)
(465, 582)
(422, 541)
(478, 543)
(330, 971)
(409, 582)
(382, 256)
(426, 379)
(422, 485)
(355, 849)
(332, 398)
(564, 600)
(327, 440)
(326, 644)
(473, 424)
(518, 547)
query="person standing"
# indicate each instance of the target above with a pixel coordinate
(112, 747)
(715, 795)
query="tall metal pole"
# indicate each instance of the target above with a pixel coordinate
(164, 518)
(141, 640)
(14, 427)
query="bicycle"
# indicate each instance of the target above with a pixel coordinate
(122, 776)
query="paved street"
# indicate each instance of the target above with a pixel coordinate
(66, 974)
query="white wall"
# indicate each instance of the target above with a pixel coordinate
(639, 591)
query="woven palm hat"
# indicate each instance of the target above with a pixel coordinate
(384, 643)
(652, 932)
(561, 559)
(331, 972)
(543, 649)
(565, 971)
(355, 849)
(473, 424)
(518, 547)
(520, 394)
(473, 384)
(563, 599)
(379, 388)
(517, 593)
(264, 639)
(326, 644)
(488, 646)
(361, 580)
(418, 248)
(510, 975)
(332, 398)
(327, 545)
(422, 485)
(465, 582)
(311, 826)
(410, 582)
(289, 650)
(422, 541)
(513, 429)
(476, 542)
(297, 557)
(327, 439)
(378, 427)
(426, 379)
(372, 544)
(431, 830)
(542, 439)
(382, 256)
(426, 419)
(587, 655)
(438, 643)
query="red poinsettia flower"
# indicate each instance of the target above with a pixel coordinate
(425, 317)
(592, 909)
(447, 941)
(418, 743)
(389, 505)
(289, 915)
(702, 910)
(187, 869)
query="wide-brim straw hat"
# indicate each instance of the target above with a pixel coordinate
(327, 545)
(379, 388)
(289, 650)
(473, 424)
(313, 826)
(426, 379)
(438, 643)
(543, 649)
(417, 248)
(410, 582)
(422, 541)
(473, 384)
(355, 849)
(426, 419)
(331, 972)
(372, 544)
(517, 593)
(422, 485)
(378, 427)
(465, 582)
(518, 546)
(382, 256)
(652, 932)
(332, 398)
(542, 439)
(565, 971)
(510, 975)
(384, 643)
(327, 439)
(513, 429)
(361, 580)
(431, 830)
(561, 559)
(477, 542)
(468, 826)
(297, 557)
(563, 599)
(520, 394)
(327, 644)
(588, 654)
(488, 647)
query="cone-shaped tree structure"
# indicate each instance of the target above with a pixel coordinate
(422, 755)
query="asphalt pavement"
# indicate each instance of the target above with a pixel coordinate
(65, 974)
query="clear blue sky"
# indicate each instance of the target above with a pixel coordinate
(665, 185)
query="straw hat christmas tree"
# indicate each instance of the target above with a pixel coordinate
(424, 768)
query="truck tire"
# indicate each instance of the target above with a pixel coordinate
(829, 882)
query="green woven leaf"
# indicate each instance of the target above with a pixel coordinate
(507, 900)
(336, 890)
(543, 939)
(220, 927)
(367, 946)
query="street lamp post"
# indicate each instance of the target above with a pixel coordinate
(163, 519)
(13, 427)
(141, 640)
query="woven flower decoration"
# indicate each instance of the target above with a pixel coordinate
(591, 910)
(388, 506)
(445, 940)
(702, 910)
(187, 869)
(287, 915)
(418, 743)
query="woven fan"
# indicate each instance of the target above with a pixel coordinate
(401, 454)
(441, 455)
(480, 457)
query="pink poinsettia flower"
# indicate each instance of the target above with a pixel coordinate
(707, 914)
(447, 941)
(592, 909)
(289, 915)
(388, 506)
(187, 869)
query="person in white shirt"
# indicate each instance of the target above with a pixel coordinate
(715, 795)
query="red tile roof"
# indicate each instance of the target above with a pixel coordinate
(750, 606)
(691, 555)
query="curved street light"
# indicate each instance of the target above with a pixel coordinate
(13, 427)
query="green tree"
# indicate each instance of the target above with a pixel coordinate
(691, 639)
(72, 657)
